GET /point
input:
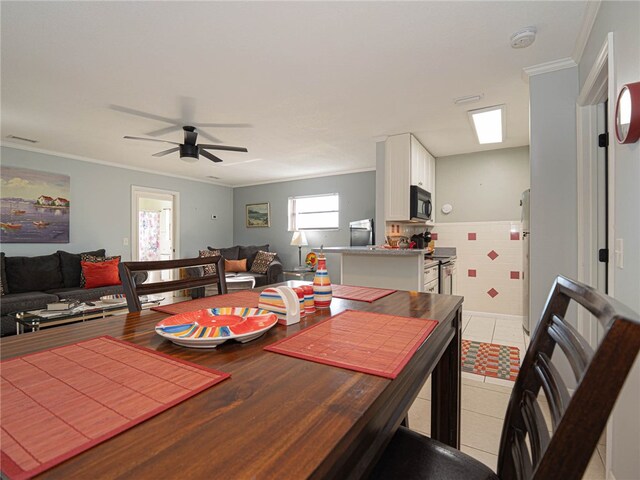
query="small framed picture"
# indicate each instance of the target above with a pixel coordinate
(258, 215)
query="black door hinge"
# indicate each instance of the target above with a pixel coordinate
(603, 255)
(603, 140)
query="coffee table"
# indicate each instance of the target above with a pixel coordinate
(36, 319)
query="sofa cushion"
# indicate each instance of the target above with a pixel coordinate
(230, 253)
(87, 294)
(249, 252)
(20, 302)
(93, 259)
(209, 269)
(70, 266)
(3, 276)
(101, 274)
(33, 274)
(262, 261)
(235, 265)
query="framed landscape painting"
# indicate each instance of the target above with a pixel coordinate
(34, 207)
(258, 215)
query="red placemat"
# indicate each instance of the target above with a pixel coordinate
(63, 401)
(367, 342)
(363, 294)
(245, 298)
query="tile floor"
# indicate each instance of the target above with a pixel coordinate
(485, 399)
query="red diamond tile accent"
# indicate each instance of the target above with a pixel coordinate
(492, 293)
(515, 235)
(471, 272)
(434, 236)
(515, 275)
(471, 236)
(492, 255)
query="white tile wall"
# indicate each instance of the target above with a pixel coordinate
(503, 238)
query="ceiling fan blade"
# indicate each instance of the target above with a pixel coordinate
(164, 131)
(138, 113)
(209, 137)
(210, 156)
(166, 152)
(128, 137)
(190, 135)
(223, 147)
(223, 125)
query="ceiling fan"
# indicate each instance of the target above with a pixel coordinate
(189, 150)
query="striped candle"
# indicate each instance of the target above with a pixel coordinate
(309, 305)
(322, 290)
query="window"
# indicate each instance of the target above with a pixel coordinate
(314, 212)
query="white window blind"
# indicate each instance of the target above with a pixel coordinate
(314, 212)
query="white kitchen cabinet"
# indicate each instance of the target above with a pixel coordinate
(407, 163)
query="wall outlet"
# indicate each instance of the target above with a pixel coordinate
(125, 241)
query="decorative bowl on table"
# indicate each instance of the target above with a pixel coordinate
(114, 299)
(210, 327)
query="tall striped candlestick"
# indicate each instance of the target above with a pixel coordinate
(322, 290)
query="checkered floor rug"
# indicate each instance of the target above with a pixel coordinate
(490, 359)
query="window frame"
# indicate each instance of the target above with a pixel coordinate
(292, 214)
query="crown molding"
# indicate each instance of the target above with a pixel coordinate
(547, 67)
(108, 164)
(588, 20)
(308, 177)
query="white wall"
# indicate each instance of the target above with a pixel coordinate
(482, 186)
(100, 214)
(553, 153)
(623, 19)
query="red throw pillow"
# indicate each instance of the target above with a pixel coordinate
(101, 274)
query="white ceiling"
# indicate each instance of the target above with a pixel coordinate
(318, 82)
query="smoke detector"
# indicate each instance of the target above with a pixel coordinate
(523, 38)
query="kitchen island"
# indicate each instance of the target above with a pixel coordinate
(400, 269)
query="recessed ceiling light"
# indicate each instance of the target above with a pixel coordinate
(468, 99)
(22, 139)
(488, 124)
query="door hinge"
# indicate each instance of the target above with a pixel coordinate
(603, 140)
(603, 255)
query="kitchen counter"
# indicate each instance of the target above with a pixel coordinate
(373, 251)
(397, 268)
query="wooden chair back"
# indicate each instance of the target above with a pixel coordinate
(527, 449)
(132, 291)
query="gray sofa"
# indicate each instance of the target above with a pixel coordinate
(239, 252)
(30, 283)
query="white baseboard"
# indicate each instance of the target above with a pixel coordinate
(502, 316)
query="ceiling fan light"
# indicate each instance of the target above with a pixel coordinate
(189, 158)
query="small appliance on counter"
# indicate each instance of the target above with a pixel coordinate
(418, 238)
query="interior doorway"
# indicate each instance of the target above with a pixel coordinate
(154, 222)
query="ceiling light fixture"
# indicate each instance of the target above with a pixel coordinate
(468, 99)
(523, 38)
(488, 123)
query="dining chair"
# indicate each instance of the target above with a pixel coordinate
(531, 448)
(133, 291)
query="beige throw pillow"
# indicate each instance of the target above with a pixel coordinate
(209, 269)
(262, 261)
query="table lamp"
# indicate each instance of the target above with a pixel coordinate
(299, 240)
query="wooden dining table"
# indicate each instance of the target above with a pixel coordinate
(277, 416)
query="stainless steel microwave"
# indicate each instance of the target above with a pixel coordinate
(420, 207)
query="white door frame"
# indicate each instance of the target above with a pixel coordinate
(135, 189)
(599, 86)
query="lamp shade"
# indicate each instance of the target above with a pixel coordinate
(299, 239)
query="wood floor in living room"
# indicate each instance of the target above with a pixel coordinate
(485, 399)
